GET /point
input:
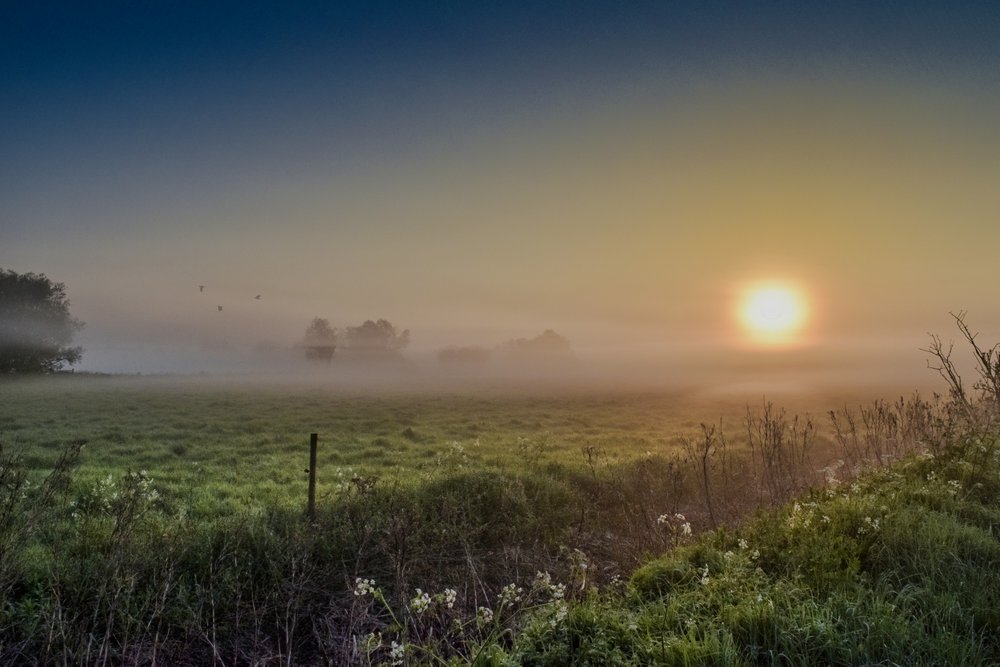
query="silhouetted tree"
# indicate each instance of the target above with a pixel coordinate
(378, 337)
(320, 341)
(36, 328)
(548, 342)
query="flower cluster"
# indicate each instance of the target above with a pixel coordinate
(560, 613)
(677, 523)
(870, 525)
(364, 587)
(421, 602)
(484, 615)
(454, 457)
(448, 597)
(509, 594)
(134, 491)
(396, 652)
(543, 583)
(802, 515)
(143, 485)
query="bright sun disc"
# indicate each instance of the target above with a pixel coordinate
(772, 312)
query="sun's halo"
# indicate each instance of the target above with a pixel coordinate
(772, 313)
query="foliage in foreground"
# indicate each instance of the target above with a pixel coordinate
(901, 566)
(898, 566)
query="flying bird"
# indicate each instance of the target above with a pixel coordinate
(201, 288)
(220, 309)
(257, 297)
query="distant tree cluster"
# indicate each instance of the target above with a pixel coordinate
(36, 328)
(372, 337)
(320, 341)
(548, 342)
(380, 339)
(379, 336)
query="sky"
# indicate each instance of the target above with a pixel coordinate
(479, 171)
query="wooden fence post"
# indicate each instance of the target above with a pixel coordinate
(311, 508)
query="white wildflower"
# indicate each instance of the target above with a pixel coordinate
(420, 603)
(562, 609)
(510, 593)
(396, 653)
(449, 597)
(364, 587)
(870, 524)
(484, 615)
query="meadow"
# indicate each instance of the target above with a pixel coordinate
(151, 520)
(224, 447)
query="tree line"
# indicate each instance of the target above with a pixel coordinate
(372, 337)
(37, 330)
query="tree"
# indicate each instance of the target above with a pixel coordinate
(36, 328)
(320, 340)
(378, 337)
(548, 343)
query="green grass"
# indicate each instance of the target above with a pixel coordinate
(207, 557)
(224, 447)
(901, 567)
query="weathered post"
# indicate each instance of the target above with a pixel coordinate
(311, 508)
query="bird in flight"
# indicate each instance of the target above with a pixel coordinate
(201, 288)
(257, 297)
(220, 309)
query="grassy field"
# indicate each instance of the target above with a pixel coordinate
(488, 527)
(226, 447)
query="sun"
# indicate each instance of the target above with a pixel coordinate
(772, 312)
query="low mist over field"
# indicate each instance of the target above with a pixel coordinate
(887, 369)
